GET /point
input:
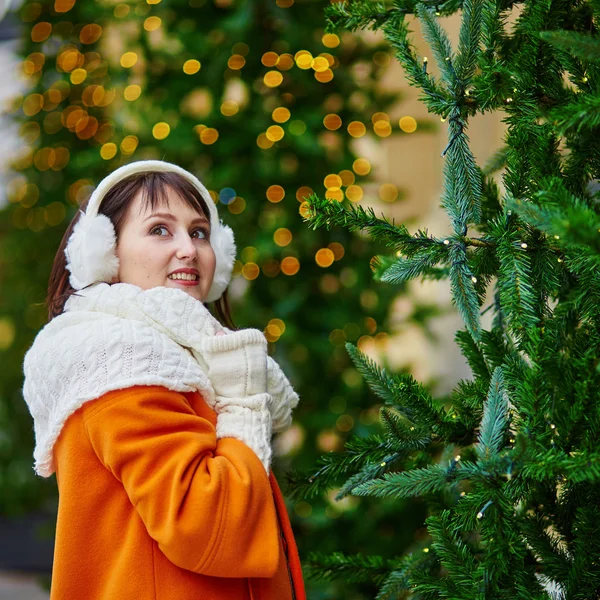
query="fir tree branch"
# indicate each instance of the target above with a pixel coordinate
(495, 418)
(438, 40)
(326, 213)
(464, 295)
(355, 568)
(402, 391)
(469, 40)
(405, 269)
(453, 553)
(517, 293)
(416, 482)
(581, 45)
(582, 115)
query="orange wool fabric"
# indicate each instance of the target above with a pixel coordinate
(153, 506)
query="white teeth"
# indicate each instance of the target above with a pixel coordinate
(186, 276)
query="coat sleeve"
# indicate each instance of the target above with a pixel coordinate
(207, 502)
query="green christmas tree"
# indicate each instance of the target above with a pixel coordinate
(265, 107)
(507, 464)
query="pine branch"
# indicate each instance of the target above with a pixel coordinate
(517, 294)
(582, 115)
(402, 391)
(581, 45)
(560, 213)
(464, 295)
(416, 482)
(453, 553)
(405, 269)
(326, 213)
(440, 45)
(469, 39)
(355, 568)
(495, 418)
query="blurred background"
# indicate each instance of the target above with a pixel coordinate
(265, 108)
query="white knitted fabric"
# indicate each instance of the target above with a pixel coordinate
(115, 336)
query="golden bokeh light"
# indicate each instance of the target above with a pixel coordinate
(269, 59)
(161, 130)
(304, 210)
(63, 6)
(281, 114)
(324, 76)
(250, 271)
(303, 192)
(237, 206)
(274, 133)
(320, 63)
(263, 142)
(282, 236)
(382, 59)
(132, 92)
(408, 124)
(334, 193)
(229, 108)
(249, 254)
(33, 63)
(77, 76)
(152, 23)
(324, 257)
(129, 144)
(304, 59)
(337, 249)
(380, 116)
(357, 129)
(32, 104)
(275, 193)
(361, 166)
(90, 34)
(209, 136)
(354, 193)
(382, 128)
(236, 62)
(121, 10)
(284, 3)
(347, 177)
(332, 122)
(128, 59)
(69, 59)
(285, 62)
(290, 265)
(41, 31)
(272, 78)
(330, 40)
(108, 151)
(191, 66)
(332, 181)
(388, 192)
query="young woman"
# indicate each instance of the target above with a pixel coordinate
(155, 416)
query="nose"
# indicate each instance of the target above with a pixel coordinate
(186, 247)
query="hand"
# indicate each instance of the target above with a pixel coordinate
(236, 363)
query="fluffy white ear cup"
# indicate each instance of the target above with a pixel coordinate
(90, 250)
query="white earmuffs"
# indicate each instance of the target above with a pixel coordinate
(90, 251)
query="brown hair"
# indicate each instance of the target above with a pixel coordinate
(114, 205)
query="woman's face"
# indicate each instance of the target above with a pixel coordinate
(151, 247)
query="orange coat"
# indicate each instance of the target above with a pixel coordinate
(153, 507)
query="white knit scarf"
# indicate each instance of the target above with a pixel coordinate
(115, 336)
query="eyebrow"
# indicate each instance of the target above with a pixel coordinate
(170, 217)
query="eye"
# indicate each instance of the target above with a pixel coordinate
(203, 230)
